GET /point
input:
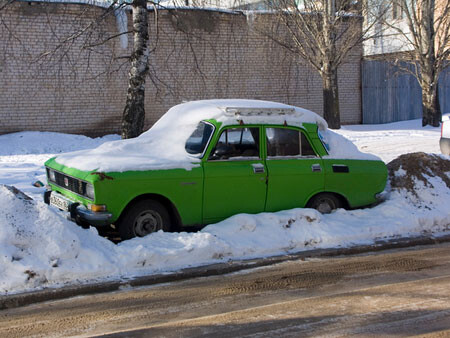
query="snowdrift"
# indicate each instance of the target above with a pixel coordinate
(45, 142)
(39, 248)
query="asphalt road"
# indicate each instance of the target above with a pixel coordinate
(398, 292)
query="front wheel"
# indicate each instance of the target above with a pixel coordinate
(143, 218)
(325, 203)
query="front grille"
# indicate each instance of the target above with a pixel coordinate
(69, 183)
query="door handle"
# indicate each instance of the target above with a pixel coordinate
(258, 168)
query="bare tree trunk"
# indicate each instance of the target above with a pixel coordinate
(331, 111)
(427, 57)
(134, 113)
(431, 113)
(331, 99)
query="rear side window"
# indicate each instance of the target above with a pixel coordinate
(237, 143)
(282, 142)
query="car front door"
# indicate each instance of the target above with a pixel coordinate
(234, 175)
(295, 172)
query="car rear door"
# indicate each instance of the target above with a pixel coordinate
(295, 171)
(234, 175)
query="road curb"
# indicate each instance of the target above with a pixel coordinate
(23, 299)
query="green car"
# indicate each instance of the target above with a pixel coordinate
(204, 161)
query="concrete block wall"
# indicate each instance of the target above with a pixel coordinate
(52, 79)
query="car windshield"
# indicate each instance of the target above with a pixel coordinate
(196, 143)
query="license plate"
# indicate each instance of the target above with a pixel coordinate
(59, 202)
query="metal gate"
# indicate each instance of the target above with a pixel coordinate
(389, 95)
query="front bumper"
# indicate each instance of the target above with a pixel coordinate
(81, 215)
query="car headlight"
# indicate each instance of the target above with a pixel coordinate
(90, 191)
(51, 175)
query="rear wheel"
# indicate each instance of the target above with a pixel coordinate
(143, 218)
(325, 203)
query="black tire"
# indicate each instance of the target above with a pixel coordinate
(325, 203)
(143, 218)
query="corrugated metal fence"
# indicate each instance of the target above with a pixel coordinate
(389, 95)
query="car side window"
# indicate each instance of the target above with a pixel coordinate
(235, 143)
(282, 142)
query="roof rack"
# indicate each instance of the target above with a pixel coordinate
(245, 111)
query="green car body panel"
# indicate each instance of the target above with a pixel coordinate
(217, 189)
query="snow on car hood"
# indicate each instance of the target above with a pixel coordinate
(163, 145)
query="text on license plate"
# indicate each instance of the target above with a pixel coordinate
(59, 202)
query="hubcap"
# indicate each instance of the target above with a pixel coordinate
(324, 206)
(147, 222)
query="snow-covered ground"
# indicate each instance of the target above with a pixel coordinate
(390, 140)
(40, 248)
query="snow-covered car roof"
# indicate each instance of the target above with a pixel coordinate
(229, 111)
(163, 145)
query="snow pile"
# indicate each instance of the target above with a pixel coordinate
(422, 176)
(163, 146)
(30, 142)
(38, 246)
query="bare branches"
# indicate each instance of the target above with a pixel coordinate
(111, 37)
(323, 33)
(5, 3)
(83, 32)
(425, 32)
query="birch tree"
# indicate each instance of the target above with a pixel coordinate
(322, 32)
(134, 113)
(426, 37)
